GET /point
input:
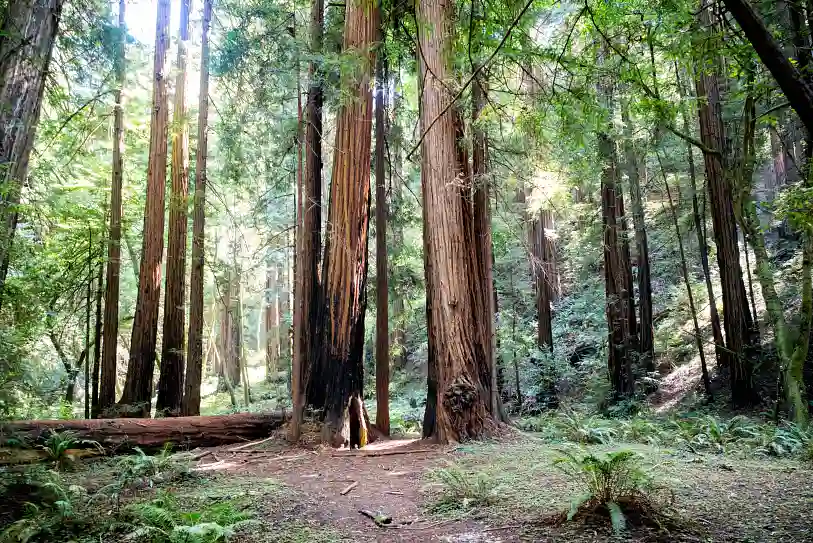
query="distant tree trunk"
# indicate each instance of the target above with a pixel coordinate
(382, 347)
(194, 358)
(725, 233)
(626, 259)
(298, 369)
(543, 291)
(110, 327)
(87, 323)
(97, 345)
(27, 37)
(235, 370)
(482, 240)
(646, 337)
(136, 399)
(310, 379)
(285, 288)
(395, 140)
(700, 231)
(170, 382)
(462, 400)
(341, 342)
(272, 311)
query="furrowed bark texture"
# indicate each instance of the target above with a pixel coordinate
(137, 397)
(544, 335)
(345, 264)
(26, 41)
(311, 377)
(456, 356)
(194, 358)
(170, 382)
(382, 345)
(725, 233)
(110, 327)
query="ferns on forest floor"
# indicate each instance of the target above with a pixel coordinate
(461, 490)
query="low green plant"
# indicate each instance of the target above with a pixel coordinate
(59, 443)
(462, 490)
(614, 486)
(161, 520)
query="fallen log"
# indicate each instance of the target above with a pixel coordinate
(148, 434)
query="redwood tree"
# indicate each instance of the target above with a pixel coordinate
(26, 41)
(458, 402)
(344, 280)
(137, 397)
(194, 358)
(110, 327)
(170, 383)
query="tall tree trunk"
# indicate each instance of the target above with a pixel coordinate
(544, 336)
(395, 140)
(110, 327)
(194, 358)
(298, 374)
(97, 345)
(482, 240)
(462, 400)
(345, 264)
(311, 378)
(170, 382)
(234, 370)
(272, 328)
(725, 231)
(87, 323)
(27, 37)
(382, 346)
(136, 399)
(646, 337)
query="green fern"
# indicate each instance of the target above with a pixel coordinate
(462, 490)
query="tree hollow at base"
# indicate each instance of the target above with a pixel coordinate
(351, 428)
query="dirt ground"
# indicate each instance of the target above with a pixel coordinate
(321, 493)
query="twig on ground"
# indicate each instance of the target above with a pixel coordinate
(251, 444)
(369, 454)
(204, 454)
(349, 487)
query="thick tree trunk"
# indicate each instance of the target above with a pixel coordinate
(136, 399)
(110, 327)
(382, 346)
(170, 382)
(462, 401)
(306, 330)
(194, 358)
(735, 306)
(27, 37)
(646, 336)
(124, 434)
(344, 281)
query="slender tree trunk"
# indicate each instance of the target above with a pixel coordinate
(463, 400)
(110, 327)
(235, 368)
(298, 369)
(272, 328)
(97, 345)
(27, 37)
(725, 233)
(194, 358)
(136, 399)
(544, 337)
(87, 323)
(646, 337)
(170, 383)
(345, 264)
(382, 347)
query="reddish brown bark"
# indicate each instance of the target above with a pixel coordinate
(97, 345)
(124, 434)
(110, 327)
(272, 328)
(194, 359)
(543, 291)
(137, 397)
(170, 382)
(26, 41)
(456, 356)
(735, 320)
(382, 345)
(345, 264)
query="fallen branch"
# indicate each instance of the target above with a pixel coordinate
(383, 453)
(349, 487)
(252, 444)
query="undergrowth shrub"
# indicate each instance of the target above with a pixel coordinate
(615, 487)
(462, 490)
(58, 445)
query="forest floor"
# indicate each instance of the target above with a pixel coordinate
(308, 494)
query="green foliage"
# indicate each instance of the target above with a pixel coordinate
(614, 484)
(140, 470)
(462, 490)
(58, 444)
(161, 520)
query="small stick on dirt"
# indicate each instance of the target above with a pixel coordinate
(349, 487)
(204, 454)
(380, 519)
(394, 492)
(252, 444)
(384, 453)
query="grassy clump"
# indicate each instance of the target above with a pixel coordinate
(614, 487)
(462, 490)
